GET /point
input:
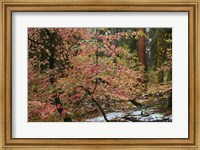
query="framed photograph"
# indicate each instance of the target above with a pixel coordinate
(106, 75)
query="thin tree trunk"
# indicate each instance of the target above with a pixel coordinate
(104, 115)
(95, 87)
(160, 76)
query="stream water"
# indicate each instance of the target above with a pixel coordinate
(143, 115)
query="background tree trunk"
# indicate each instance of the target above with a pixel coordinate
(141, 47)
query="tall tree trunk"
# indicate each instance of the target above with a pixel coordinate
(141, 46)
(141, 52)
(52, 78)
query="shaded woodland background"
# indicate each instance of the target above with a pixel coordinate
(99, 74)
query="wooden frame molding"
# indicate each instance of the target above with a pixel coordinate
(9, 6)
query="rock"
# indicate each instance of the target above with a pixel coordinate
(136, 113)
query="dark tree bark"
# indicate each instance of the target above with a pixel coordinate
(51, 60)
(100, 108)
(135, 103)
(60, 109)
(98, 105)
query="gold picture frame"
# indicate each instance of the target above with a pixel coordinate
(9, 6)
